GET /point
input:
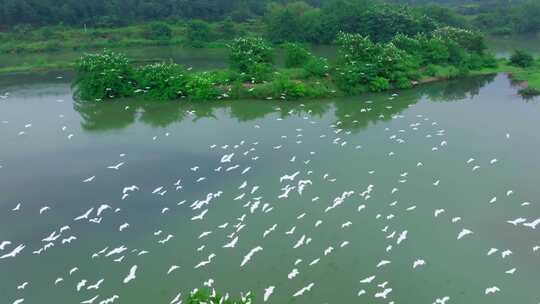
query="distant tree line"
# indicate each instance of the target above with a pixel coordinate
(121, 12)
(493, 16)
(287, 20)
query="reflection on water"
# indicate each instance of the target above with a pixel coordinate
(355, 113)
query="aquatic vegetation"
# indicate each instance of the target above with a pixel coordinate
(206, 295)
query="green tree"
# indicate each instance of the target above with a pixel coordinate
(521, 59)
(198, 33)
(160, 31)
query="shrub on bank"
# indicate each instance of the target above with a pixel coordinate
(160, 31)
(316, 67)
(521, 59)
(162, 81)
(284, 88)
(364, 65)
(251, 56)
(471, 41)
(201, 87)
(296, 55)
(529, 92)
(198, 33)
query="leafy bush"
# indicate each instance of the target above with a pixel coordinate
(104, 75)
(379, 84)
(160, 31)
(363, 64)
(444, 72)
(251, 56)
(529, 92)
(295, 55)
(287, 88)
(521, 59)
(471, 41)
(162, 81)
(227, 28)
(316, 67)
(257, 73)
(198, 33)
(201, 87)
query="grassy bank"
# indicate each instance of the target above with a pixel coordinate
(58, 38)
(526, 78)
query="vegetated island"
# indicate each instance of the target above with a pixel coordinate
(361, 66)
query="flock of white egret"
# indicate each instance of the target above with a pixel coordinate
(201, 196)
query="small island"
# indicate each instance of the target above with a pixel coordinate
(361, 66)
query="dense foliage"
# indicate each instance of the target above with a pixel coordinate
(368, 66)
(505, 17)
(362, 65)
(296, 55)
(160, 30)
(316, 21)
(298, 21)
(110, 75)
(493, 16)
(198, 33)
(120, 12)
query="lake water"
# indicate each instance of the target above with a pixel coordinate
(337, 191)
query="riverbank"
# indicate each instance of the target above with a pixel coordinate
(181, 33)
(527, 79)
